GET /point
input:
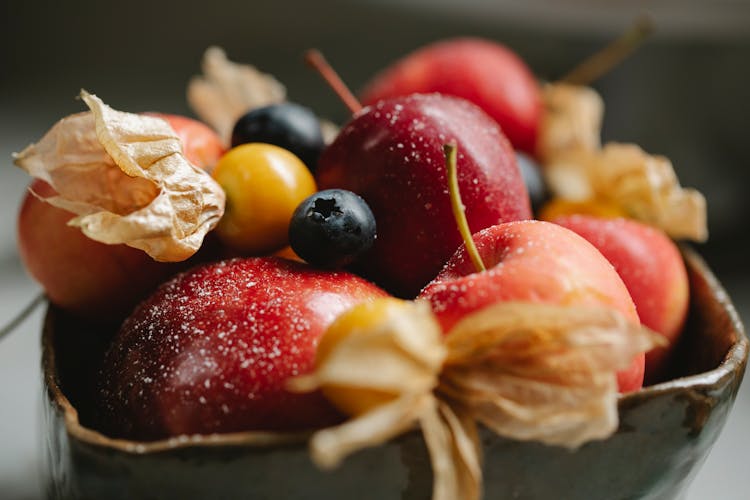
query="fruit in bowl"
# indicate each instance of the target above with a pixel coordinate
(531, 261)
(709, 367)
(391, 154)
(652, 269)
(483, 72)
(81, 275)
(197, 391)
(211, 350)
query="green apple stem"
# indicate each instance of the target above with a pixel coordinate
(603, 61)
(459, 211)
(315, 59)
(21, 316)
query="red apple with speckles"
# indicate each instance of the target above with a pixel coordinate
(532, 261)
(481, 71)
(391, 154)
(652, 269)
(212, 349)
(201, 145)
(80, 275)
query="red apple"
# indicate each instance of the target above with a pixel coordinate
(211, 350)
(532, 261)
(78, 274)
(391, 154)
(201, 145)
(484, 72)
(652, 269)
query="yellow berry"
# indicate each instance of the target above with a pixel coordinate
(361, 317)
(263, 185)
(559, 207)
(288, 253)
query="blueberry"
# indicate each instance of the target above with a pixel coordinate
(287, 125)
(532, 177)
(332, 228)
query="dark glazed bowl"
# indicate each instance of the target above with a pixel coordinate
(665, 434)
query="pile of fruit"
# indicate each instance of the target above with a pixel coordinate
(244, 253)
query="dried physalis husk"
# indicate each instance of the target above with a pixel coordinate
(401, 355)
(647, 187)
(541, 372)
(329, 130)
(571, 121)
(576, 168)
(227, 90)
(526, 371)
(126, 178)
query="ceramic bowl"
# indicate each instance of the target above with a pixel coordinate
(665, 433)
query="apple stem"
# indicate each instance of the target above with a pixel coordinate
(459, 211)
(595, 66)
(315, 59)
(21, 316)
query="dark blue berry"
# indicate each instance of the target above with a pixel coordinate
(332, 228)
(287, 125)
(532, 177)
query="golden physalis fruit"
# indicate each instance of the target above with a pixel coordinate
(558, 207)
(264, 184)
(361, 318)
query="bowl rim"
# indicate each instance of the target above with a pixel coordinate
(733, 365)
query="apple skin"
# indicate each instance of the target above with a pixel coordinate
(651, 266)
(481, 71)
(391, 154)
(532, 261)
(85, 277)
(211, 350)
(201, 145)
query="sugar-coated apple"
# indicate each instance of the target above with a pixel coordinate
(482, 71)
(78, 274)
(652, 269)
(211, 350)
(391, 154)
(532, 261)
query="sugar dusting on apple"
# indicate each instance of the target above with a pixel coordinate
(391, 154)
(212, 349)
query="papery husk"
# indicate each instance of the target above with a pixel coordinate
(541, 372)
(576, 168)
(526, 371)
(126, 178)
(647, 187)
(572, 120)
(227, 90)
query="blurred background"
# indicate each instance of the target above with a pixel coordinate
(683, 95)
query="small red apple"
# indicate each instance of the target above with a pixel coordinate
(532, 261)
(391, 154)
(201, 145)
(83, 276)
(481, 71)
(211, 350)
(652, 269)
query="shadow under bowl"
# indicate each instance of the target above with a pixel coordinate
(665, 433)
